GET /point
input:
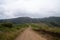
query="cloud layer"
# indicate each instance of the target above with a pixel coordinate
(29, 8)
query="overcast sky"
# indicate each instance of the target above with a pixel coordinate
(29, 8)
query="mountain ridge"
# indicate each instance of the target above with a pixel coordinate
(31, 20)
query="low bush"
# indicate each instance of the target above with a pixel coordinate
(7, 24)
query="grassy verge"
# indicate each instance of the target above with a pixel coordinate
(45, 29)
(11, 33)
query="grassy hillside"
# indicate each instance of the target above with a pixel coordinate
(9, 32)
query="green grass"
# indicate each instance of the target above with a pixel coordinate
(43, 27)
(7, 33)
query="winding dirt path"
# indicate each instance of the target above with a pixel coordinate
(29, 34)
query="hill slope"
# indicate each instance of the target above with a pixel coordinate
(33, 20)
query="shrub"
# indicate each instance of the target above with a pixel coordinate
(54, 24)
(7, 24)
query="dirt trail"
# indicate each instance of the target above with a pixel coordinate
(29, 34)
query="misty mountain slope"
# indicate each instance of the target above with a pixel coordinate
(32, 20)
(18, 20)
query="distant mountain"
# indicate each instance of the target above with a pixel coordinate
(32, 20)
(51, 19)
(18, 20)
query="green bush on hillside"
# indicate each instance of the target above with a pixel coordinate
(54, 24)
(9, 25)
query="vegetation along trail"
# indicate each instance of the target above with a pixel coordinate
(29, 34)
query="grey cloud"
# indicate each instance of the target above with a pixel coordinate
(1, 2)
(21, 8)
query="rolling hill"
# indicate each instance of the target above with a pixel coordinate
(49, 20)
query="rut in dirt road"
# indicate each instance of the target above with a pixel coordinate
(29, 34)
